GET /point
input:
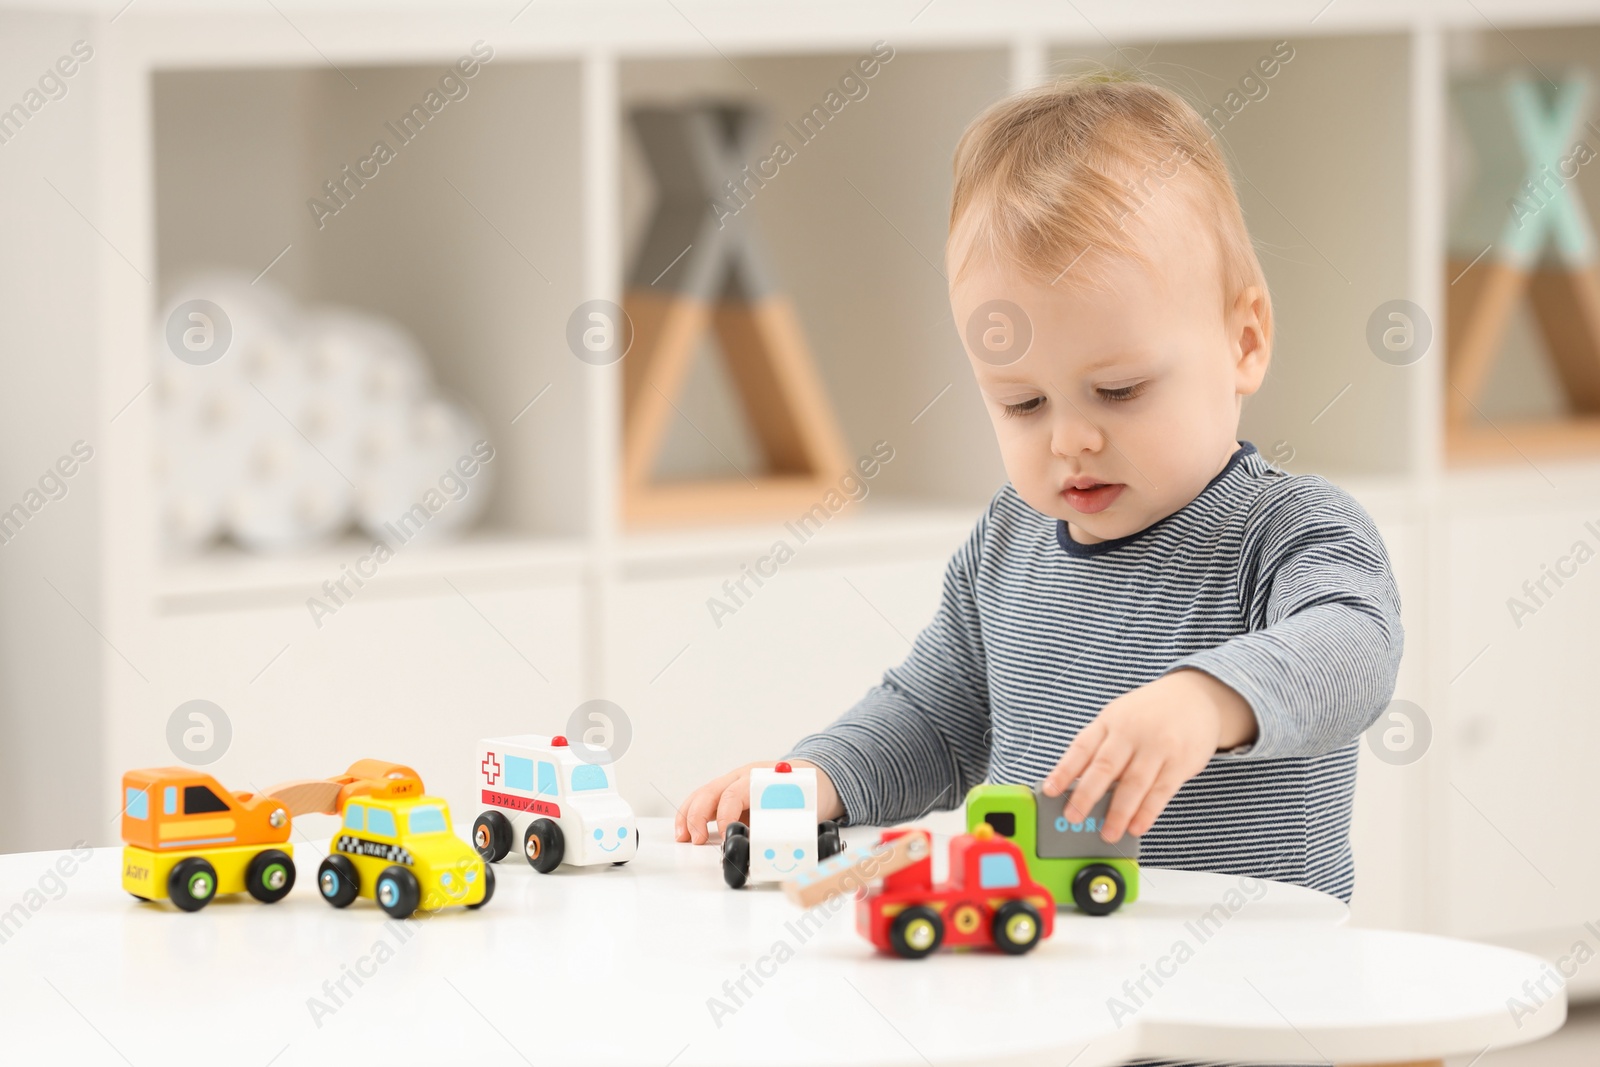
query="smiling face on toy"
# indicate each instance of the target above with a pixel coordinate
(777, 863)
(456, 882)
(610, 845)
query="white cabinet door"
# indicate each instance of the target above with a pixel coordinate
(703, 698)
(1523, 732)
(416, 680)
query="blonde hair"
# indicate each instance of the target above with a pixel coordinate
(1054, 173)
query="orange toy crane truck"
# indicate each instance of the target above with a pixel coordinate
(188, 840)
(989, 899)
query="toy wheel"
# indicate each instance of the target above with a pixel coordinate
(337, 880)
(1017, 927)
(270, 876)
(488, 885)
(492, 836)
(916, 932)
(1098, 889)
(397, 892)
(192, 883)
(543, 845)
(829, 843)
(735, 829)
(736, 860)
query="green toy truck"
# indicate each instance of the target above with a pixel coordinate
(1071, 860)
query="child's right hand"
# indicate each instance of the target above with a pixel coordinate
(728, 798)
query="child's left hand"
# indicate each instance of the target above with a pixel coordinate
(1149, 741)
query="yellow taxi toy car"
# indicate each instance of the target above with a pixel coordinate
(396, 847)
(188, 840)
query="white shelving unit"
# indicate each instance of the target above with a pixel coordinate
(196, 134)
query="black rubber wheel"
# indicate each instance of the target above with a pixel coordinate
(1098, 889)
(916, 932)
(1017, 927)
(338, 881)
(492, 835)
(270, 876)
(192, 883)
(397, 892)
(735, 829)
(736, 860)
(829, 843)
(543, 845)
(488, 888)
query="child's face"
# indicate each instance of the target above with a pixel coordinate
(1126, 401)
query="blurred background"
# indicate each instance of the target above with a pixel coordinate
(280, 285)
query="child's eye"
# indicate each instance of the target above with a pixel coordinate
(1126, 392)
(1026, 407)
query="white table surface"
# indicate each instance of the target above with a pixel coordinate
(618, 966)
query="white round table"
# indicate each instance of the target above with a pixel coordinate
(657, 963)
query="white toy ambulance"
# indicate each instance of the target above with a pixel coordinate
(784, 836)
(557, 807)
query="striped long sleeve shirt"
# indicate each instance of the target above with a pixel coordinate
(1276, 584)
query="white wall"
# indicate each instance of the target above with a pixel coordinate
(50, 581)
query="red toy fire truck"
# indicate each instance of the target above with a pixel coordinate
(989, 900)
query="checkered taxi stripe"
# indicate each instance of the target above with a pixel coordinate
(358, 846)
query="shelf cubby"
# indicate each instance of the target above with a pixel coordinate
(854, 227)
(1523, 413)
(469, 237)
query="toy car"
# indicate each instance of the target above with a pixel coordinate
(989, 900)
(396, 846)
(560, 808)
(1072, 860)
(188, 840)
(783, 836)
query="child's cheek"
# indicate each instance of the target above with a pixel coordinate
(1025, 451)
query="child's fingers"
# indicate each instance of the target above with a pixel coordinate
(1108, 764)
(1132, 787)
(1165, 787)
(680, 828)
(1074, 759)
(697, 810)
(686, 818)
(731, 804)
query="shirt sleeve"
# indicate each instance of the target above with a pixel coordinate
(919, 740)
(1319, 660)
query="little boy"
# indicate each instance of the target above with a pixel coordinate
(1148, 603)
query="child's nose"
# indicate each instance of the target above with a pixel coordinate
(1072, 434)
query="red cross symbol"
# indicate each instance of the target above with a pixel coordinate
(491, 769)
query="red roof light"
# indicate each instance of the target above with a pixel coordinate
(558, 741)
(783, 768)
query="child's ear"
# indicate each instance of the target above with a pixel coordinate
(1247, 335)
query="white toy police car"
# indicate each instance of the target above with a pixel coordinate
(784, 836)
(561, 809)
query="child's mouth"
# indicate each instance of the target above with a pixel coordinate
(1090, 500)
